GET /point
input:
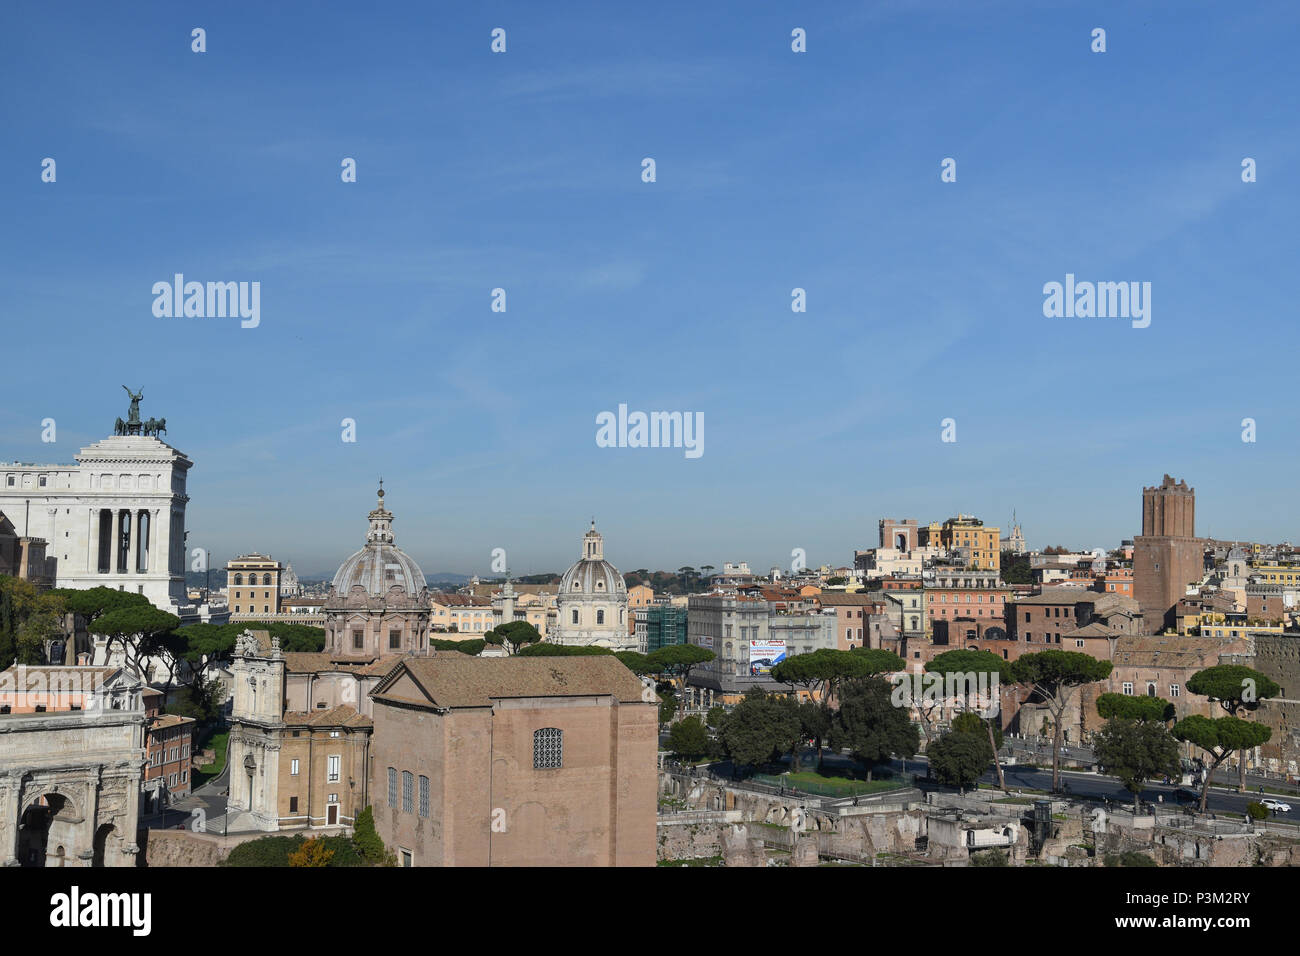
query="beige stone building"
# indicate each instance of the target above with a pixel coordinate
(515, 762)
(253, 587)
(300, 736)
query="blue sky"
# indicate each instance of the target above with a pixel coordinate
(775, 170)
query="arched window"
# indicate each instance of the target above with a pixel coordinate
(408, 787)
(392, 788)
(266, 580)
(424, 796)
(548, 748)
(239, 579)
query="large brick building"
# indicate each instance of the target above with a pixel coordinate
(516, 761)
(1167, 555)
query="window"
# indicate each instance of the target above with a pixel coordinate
(1173, 690)
(293, 802)
(293, 768)
(424, 796)
(600, 616)
(392, 788)
(408, 782)
(239, 581)
(575, 615)
(1151, 690)
(1128, 688)
(394, 640)
(1078, 642)
(358, 640)
(333, 768)
(406, 857)
(548, 748)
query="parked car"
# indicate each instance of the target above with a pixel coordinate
(1277, 806)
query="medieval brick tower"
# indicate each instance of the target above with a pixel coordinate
(1167, 555)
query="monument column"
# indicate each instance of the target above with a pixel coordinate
(115, 551)
(132, 541)
(10, 785)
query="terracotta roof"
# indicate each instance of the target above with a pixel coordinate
(1090, 630)
(315, 662)
(1171, 651)
(341, 716)
(453, 679)
(1059, 596)
(839, 598)
(54, 677)
(169, 720)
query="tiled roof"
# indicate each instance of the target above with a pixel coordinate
(315, 662)
(836, 599)
(452, 679)
(169, 720)
(341, 716)
(1171, 651)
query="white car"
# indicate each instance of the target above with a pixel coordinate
(1277, 806)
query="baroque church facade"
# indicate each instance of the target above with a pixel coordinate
(591, 602)
(378, 603)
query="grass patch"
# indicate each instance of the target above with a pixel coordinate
(837, 785)
(219, 743)
(693, 861)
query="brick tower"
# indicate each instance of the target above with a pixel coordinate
(1167, 555)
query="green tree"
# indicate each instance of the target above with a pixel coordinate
(547, 649)
(966, 670)
(8, 626)
(1015, 568)
(815, 722)
(139, 629)
(365, 838)
(471, 646)
(688, 738)
(1134, 707)
(958, 759)
(1135, 751)
(759, 728)
(1219, 737)
(675, 663)
(870, 726)
(199, 700)
(989, 858)
(1055, 676)
(716, 715)
(1238, 690)
(636, 662)
(513, 635)
(33, 634)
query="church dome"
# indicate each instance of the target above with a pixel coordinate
(380, 565)
(592, 576)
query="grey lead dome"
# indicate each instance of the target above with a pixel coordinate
(380, 566)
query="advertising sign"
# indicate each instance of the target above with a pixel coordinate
(763, 655)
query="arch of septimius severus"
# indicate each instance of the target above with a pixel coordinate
(70, 780)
